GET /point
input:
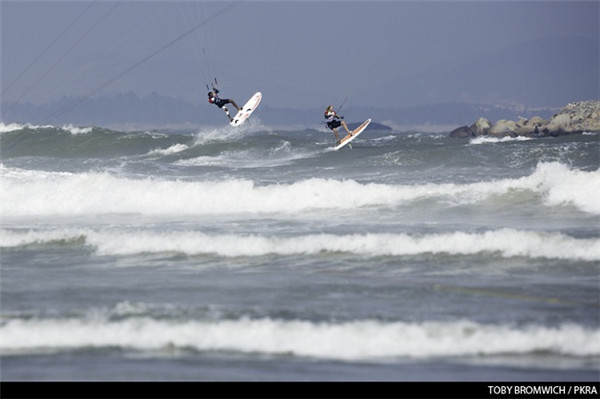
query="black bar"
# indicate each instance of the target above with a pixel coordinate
(416, 390)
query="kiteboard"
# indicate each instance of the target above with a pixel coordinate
(247, 109)
(354, 134)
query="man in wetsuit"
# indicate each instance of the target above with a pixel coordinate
(334, 121)
(213, 98)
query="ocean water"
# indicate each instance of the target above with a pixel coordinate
(260, 254)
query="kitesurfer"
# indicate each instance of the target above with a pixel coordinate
(334, 121)
(213, 98)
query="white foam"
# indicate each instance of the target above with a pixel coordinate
(488, 140)
(225, 134)
(504, 242)
(74, 130)
(385, 138)
(205, 160)
(563, 185)
(174, 149)
(11, 127)
(242, 159)
(33, 193)
(228, 133)
(347, 341)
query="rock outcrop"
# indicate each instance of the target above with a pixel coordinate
(577, 117)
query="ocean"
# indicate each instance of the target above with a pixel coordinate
(260, 254)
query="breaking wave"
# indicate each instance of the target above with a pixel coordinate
(366, 340)
(74, 130)
(35, 193)
(504, 242)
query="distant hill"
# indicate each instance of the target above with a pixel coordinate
(372, 126)
(158, 110)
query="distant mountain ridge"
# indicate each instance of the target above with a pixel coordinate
(159, 110)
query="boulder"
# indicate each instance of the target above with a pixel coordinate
(531, 127)
(560, 122)
(504, 128)
(481, 127)
(578, 117)
(461, 132)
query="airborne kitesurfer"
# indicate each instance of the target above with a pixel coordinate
(334, 121)
(213, 98)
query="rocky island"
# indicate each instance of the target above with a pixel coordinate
(577, 117)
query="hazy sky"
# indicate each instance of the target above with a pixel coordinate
(298, 53)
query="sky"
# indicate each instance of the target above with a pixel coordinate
(298, 53)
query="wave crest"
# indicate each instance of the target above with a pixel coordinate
(504, 242)
(32, 193)
(347, 341)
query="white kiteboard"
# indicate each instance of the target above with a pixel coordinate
(247, 109)
(351, 136)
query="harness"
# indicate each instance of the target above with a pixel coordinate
(214, 99)
(330, 116)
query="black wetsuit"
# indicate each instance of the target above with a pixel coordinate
(219, 102)
(332, 120)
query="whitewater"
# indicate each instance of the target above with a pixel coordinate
(259, 253)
